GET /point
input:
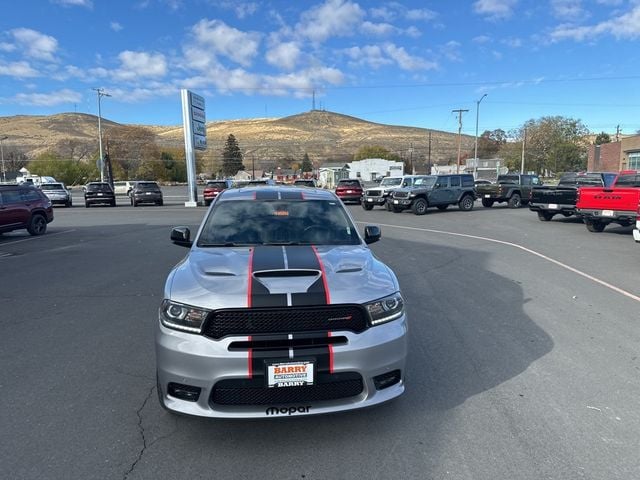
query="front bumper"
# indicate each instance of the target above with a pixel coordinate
(636, 231)
(153, 198)
(402, 202)
(374, 200)
(194, 360)
(99, 200)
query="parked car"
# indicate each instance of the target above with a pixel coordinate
(279, 309)
(615, 204)
(213, 188)
(57, 193)
(513, 188)
(380, 194)
(99, 193)
(146, 192)
(349, 190)
(123, 187)
(24, 206)
(305, 182)
(435, 191)
(561, 199)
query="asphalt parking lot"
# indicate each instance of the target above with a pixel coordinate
(523, 356)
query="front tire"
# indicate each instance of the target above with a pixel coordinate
(419, 206)
(515, 201)
(37, 225)
(544, 216)
(466, 203)
(594, 226)
(487, 202)
(366, 206)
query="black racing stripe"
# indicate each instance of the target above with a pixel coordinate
(302, 257)
(266, 258)
(285, 195)
(266, 194)
(260, 358)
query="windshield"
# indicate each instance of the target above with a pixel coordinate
(52, 186)
(217, 185)
(632, 180)
(349, 183)
(391, 181)
(278, 222)
(98, 187)
(147, 186)
(588, 179)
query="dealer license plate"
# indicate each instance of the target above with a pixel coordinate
(369, 199)
(553, 206)
(100, 194)
(396, 202)
(607, 213)
(290, 374)
(349, 191)
(486, 195)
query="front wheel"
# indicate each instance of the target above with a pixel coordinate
(594, 225)
(487, 202)
(419, 206)
(466, 203)
(367, 206)
(515, 201)
(544, 216)
(37, 225)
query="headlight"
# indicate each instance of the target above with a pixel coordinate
(182, 317)
(386, 309)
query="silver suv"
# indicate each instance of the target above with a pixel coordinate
(279, 309)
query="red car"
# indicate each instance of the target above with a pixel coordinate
(213, 188)
(349, 190)
(24, 206)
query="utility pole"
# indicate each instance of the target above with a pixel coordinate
(413, 170)
(4, 172)
(429, 156)
(475, 154)
(618, 133)
(313, 104)
(101, 93)
(459, 111)
(524, 138)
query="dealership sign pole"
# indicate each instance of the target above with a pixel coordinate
(195, 138)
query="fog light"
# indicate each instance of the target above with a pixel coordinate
(184, 392)
(387, 379)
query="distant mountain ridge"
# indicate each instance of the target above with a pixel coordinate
(323, 135)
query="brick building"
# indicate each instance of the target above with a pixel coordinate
(630, 153)
(604, 158)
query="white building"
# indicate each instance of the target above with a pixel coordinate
(370, 169)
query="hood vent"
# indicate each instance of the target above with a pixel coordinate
(286, 273)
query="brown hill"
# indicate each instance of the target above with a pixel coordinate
(324, 136)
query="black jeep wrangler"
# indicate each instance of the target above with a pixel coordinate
(436, 191)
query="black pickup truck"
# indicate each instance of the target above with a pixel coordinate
(511, 188)
(550, 201)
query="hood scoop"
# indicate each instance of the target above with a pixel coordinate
(287, 281)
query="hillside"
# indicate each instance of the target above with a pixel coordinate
(325, 136)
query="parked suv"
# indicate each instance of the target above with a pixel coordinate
(436, 191)
(512, 188)
(99, 193)
(146, 192)
(279, 308)
(57, 193)
(349, 190)
(213, 188)
(123, 187)
(380, 194)
(24, 206)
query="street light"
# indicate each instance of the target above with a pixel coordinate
(475, 156)
(4, 172)
(101, 93)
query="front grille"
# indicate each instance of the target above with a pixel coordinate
(253, 392)
(374, 193)
(254, 321)
(400, 194)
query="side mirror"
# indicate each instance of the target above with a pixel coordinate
(181, 236)
(372, 233)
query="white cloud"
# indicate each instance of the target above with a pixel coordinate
(369, 55)
(451, 50)
(383, 13)
(48, 99)
(74, 3)
(331, 19)
(244, 9)
(413, 32)
(217, 38)
(420, 14)
(377, 28)
(494, 9)
(7, 47)
(115, 26)
(18, 70)
(481, 39)
(141, 64)
(626, 26)
(568, 9)
(284, 55)
(406, 61)
(376, 56)
(35, 44)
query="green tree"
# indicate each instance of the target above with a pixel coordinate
(489, 143)
(375, 151)
(601, 138)
(231, 157)
(307, 166)
(70, 172)
(129, 148)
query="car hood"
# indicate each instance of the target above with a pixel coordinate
(215, 278)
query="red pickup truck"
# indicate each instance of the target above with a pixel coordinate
(599, 207)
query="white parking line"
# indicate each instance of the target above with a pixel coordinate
(35, 238)
(525, 249)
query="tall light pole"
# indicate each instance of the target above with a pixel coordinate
(475, 155)
(101, 93)
(4, 172)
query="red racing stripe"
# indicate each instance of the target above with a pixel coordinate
(324, 275)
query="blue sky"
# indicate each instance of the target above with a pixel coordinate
(401, 63)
